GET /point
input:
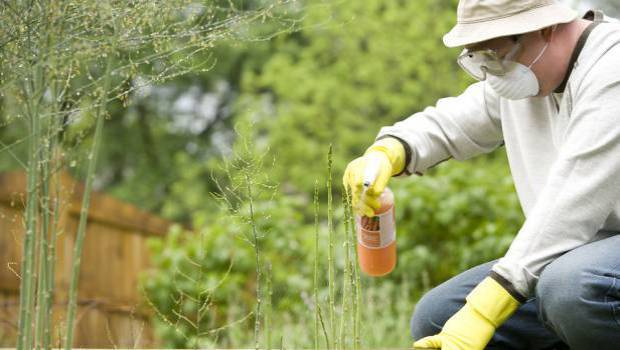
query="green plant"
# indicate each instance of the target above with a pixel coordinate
(337, 84)
(63, 66)
(458, 215)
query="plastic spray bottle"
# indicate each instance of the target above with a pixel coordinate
(376, 236)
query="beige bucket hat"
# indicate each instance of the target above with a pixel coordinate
(480, 20)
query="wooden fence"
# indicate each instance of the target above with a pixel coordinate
(112, 311)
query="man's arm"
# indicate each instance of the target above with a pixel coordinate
(583, 187)
(458, 127)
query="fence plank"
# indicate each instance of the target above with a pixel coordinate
(111, 310)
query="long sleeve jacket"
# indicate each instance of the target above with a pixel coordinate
(563, 151)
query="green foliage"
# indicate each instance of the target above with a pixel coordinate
(225, 251)
(454, 217)
(352, 68)
(63, 67)
(457, 216)
(370, 64)
(168, 135)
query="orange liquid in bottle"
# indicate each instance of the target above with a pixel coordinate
(376, 238)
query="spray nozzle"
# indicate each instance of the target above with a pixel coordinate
(371, 172)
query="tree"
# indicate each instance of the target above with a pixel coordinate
(168, 136)
(369, 64)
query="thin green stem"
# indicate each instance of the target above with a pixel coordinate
(54, 214)
(346, 278)
(357, 319)
(327, 344)
(330, 252)
(47, 340)
(42, 280)
(7, 148)
(269, 309)
(316, 266)
(355, 278)
(257, 315)
(28, 256)
(33, 92)
(81, 233)
(52, 206)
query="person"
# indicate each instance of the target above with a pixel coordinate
(548, 90)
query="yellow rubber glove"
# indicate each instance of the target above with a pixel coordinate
(471, 328)
(390, 155)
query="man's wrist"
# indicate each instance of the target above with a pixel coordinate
(492, 301)
(394, 150)
(509, 287)
(408, 153)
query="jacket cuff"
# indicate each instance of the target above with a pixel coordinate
(507, 286)
(408, 153)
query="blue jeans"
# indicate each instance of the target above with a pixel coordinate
(576, 304)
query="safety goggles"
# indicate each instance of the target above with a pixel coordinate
(480, 62)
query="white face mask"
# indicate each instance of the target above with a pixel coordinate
(519, 82)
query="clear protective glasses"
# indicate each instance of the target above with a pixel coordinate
(478, 63)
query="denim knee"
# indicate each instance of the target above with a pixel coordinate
(440, 303)
(424, 319)
(557, 292)
(567, 300)
(431, 312)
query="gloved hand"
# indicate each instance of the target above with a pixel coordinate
(390, 155)
(487, 307)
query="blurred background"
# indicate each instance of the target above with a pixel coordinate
(191, 164)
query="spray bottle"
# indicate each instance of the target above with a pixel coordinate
(376, 236)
